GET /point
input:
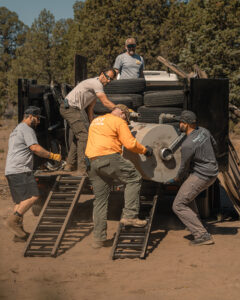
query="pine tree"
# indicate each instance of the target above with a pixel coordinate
(103, 27)
(12, 36)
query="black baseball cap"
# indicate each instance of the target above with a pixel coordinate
(188, 116)
(34, 111)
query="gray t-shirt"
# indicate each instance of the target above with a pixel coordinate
(20, 157)
(85, 93)
(197, 155)
(129, 67)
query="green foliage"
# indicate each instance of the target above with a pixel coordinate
(207, 34)
(202, 32)
(103, 27)
(12, 36)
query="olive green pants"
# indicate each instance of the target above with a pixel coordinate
(103, 171)
(77, 121)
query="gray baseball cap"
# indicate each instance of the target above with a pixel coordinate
(34, 111)
(188, 116)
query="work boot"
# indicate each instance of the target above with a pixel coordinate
(133, 222)
(21, 225)
(69, 168)
(99, 244)
(13, 222)
(205, 239)
(18, 239)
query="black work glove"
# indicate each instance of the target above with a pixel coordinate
(149, 151)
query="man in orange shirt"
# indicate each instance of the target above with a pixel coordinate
(106, 136)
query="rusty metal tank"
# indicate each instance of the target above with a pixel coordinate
(165, 141)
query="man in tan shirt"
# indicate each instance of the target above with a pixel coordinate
(107, 135)
(77, 110)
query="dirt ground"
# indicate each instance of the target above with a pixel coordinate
(172, 269)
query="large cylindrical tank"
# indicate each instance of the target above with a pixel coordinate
(157, 136)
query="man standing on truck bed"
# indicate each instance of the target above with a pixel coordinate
(19, 169)
(129, 64)
(84, 96)
(198, 161)
(107, 134)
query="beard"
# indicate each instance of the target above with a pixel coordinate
(182, 128)
(33, 124)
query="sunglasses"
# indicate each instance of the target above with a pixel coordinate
(108, 77)
(131, 46)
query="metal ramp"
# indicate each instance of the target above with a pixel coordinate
(132, 242)
(230, 179)
(55, 216)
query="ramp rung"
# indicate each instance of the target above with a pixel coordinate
(42, 243)
(68, 181)
(60, 202)
(56, 209)
(62, 195)
(50, 226)
(134, 238)
(129, 245)
(55, 216)
(127, 254)
(131, 236)
(45, 234)
(150, 203)
(42, 252)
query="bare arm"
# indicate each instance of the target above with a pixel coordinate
(105, 101)
(39, 151)
(90, 111)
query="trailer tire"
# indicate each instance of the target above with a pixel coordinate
(164, 98)
(137, 99)
(126, 86)
(151, 114)
(99, 108)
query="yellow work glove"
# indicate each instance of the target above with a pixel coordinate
(54, 156)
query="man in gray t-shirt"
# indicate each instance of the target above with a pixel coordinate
(83, 97)
(198, 163)
(19, 169)
(129, 64)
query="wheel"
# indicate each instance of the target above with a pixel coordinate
(126, 86)
(99, 108)
(164, 98)
(137, 99)
(163, 86)
(151, 114)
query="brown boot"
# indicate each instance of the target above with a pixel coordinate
(21, 225)
(13, 222)
(133, 222)
(69, 168)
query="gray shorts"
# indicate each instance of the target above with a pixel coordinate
(22, 186)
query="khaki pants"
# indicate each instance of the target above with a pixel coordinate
(184, 204)
(78, 123)
(102, 173)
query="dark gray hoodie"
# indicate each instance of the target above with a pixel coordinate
(198, 155)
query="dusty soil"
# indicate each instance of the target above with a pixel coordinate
(172, 269)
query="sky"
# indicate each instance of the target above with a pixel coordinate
(28, 10)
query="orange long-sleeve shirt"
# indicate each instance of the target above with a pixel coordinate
(107, 134)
